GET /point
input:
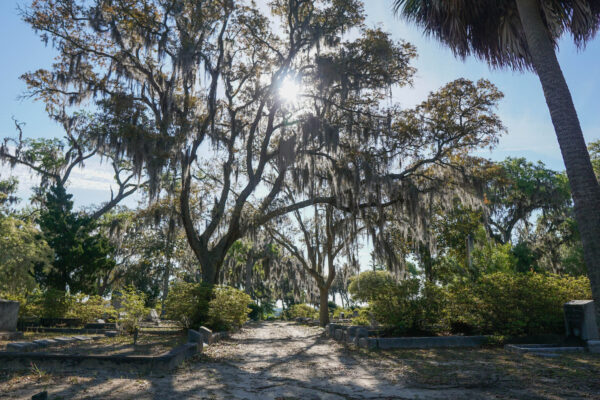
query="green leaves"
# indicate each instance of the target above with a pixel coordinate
(81, 255)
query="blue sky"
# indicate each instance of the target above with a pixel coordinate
(523, 110)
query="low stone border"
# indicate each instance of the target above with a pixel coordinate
(40, 329)
(362, 337)
(423, 342)
(163, 362)
(205, 335)
(36, 344)
(543, 348)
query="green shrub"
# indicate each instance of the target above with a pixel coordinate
(347, 312)
(365, 286)
(262, 311)
(364, 317)
(300, 310)
(188, 303)
(132, 309)
(514, 304)
(228, 309)
(90, 308)
(55, 304)
(30, 304)
(409, 306)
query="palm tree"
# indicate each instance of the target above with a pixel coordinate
(523, 34)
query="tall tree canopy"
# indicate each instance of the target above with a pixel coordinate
(523, 34)
(195, 88)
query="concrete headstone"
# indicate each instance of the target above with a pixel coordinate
(207, 334)
(9, 313)
(154, 315)
(580, 320)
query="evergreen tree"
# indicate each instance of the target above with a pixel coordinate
(80, 254)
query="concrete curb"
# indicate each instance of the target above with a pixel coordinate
(163, 362)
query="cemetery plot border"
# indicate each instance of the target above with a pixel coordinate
(163, 362)
(363, 337)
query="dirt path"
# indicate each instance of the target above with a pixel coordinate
(281, 360)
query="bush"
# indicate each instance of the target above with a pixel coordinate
(132, 309)
(409, 306)
(365, 286)
(262, 311)
(300, 311)
(364, 317)
(90, 308)
(54, 303)
(188, 303)
(514, 304)
(30, 304)
(228, 309)
(347, 312)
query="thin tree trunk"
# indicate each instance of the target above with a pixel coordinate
(323, 306)
(249, 266)
(584, 185)
(165, 287)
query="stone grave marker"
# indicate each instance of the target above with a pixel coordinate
(9, 313)
(580, 320)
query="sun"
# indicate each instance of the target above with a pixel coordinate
(289, 91)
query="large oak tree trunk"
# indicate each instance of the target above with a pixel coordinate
(323, 305)
(584, 185)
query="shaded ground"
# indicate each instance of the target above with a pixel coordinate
(281, 360)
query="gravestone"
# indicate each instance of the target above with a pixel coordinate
(355, 313)
(152, 316)
(342, 315)
(9, 313)
(580, 320)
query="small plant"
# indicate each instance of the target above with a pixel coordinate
(132, 310)
(38, 372)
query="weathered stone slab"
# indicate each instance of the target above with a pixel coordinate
(367, 343)
(82, 338)
(580, 320)
(9, 313)
(206, 334)
(65, 339)
(352, 330)
(194, 336)
(45, 342)
(362, 332)
(593, 346)
(542, 348)
(21, 346)
(339, 334)
(431, 342)
(330, 329)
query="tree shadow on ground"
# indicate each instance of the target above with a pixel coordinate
(309, 366)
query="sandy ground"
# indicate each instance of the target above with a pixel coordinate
(281, 360)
